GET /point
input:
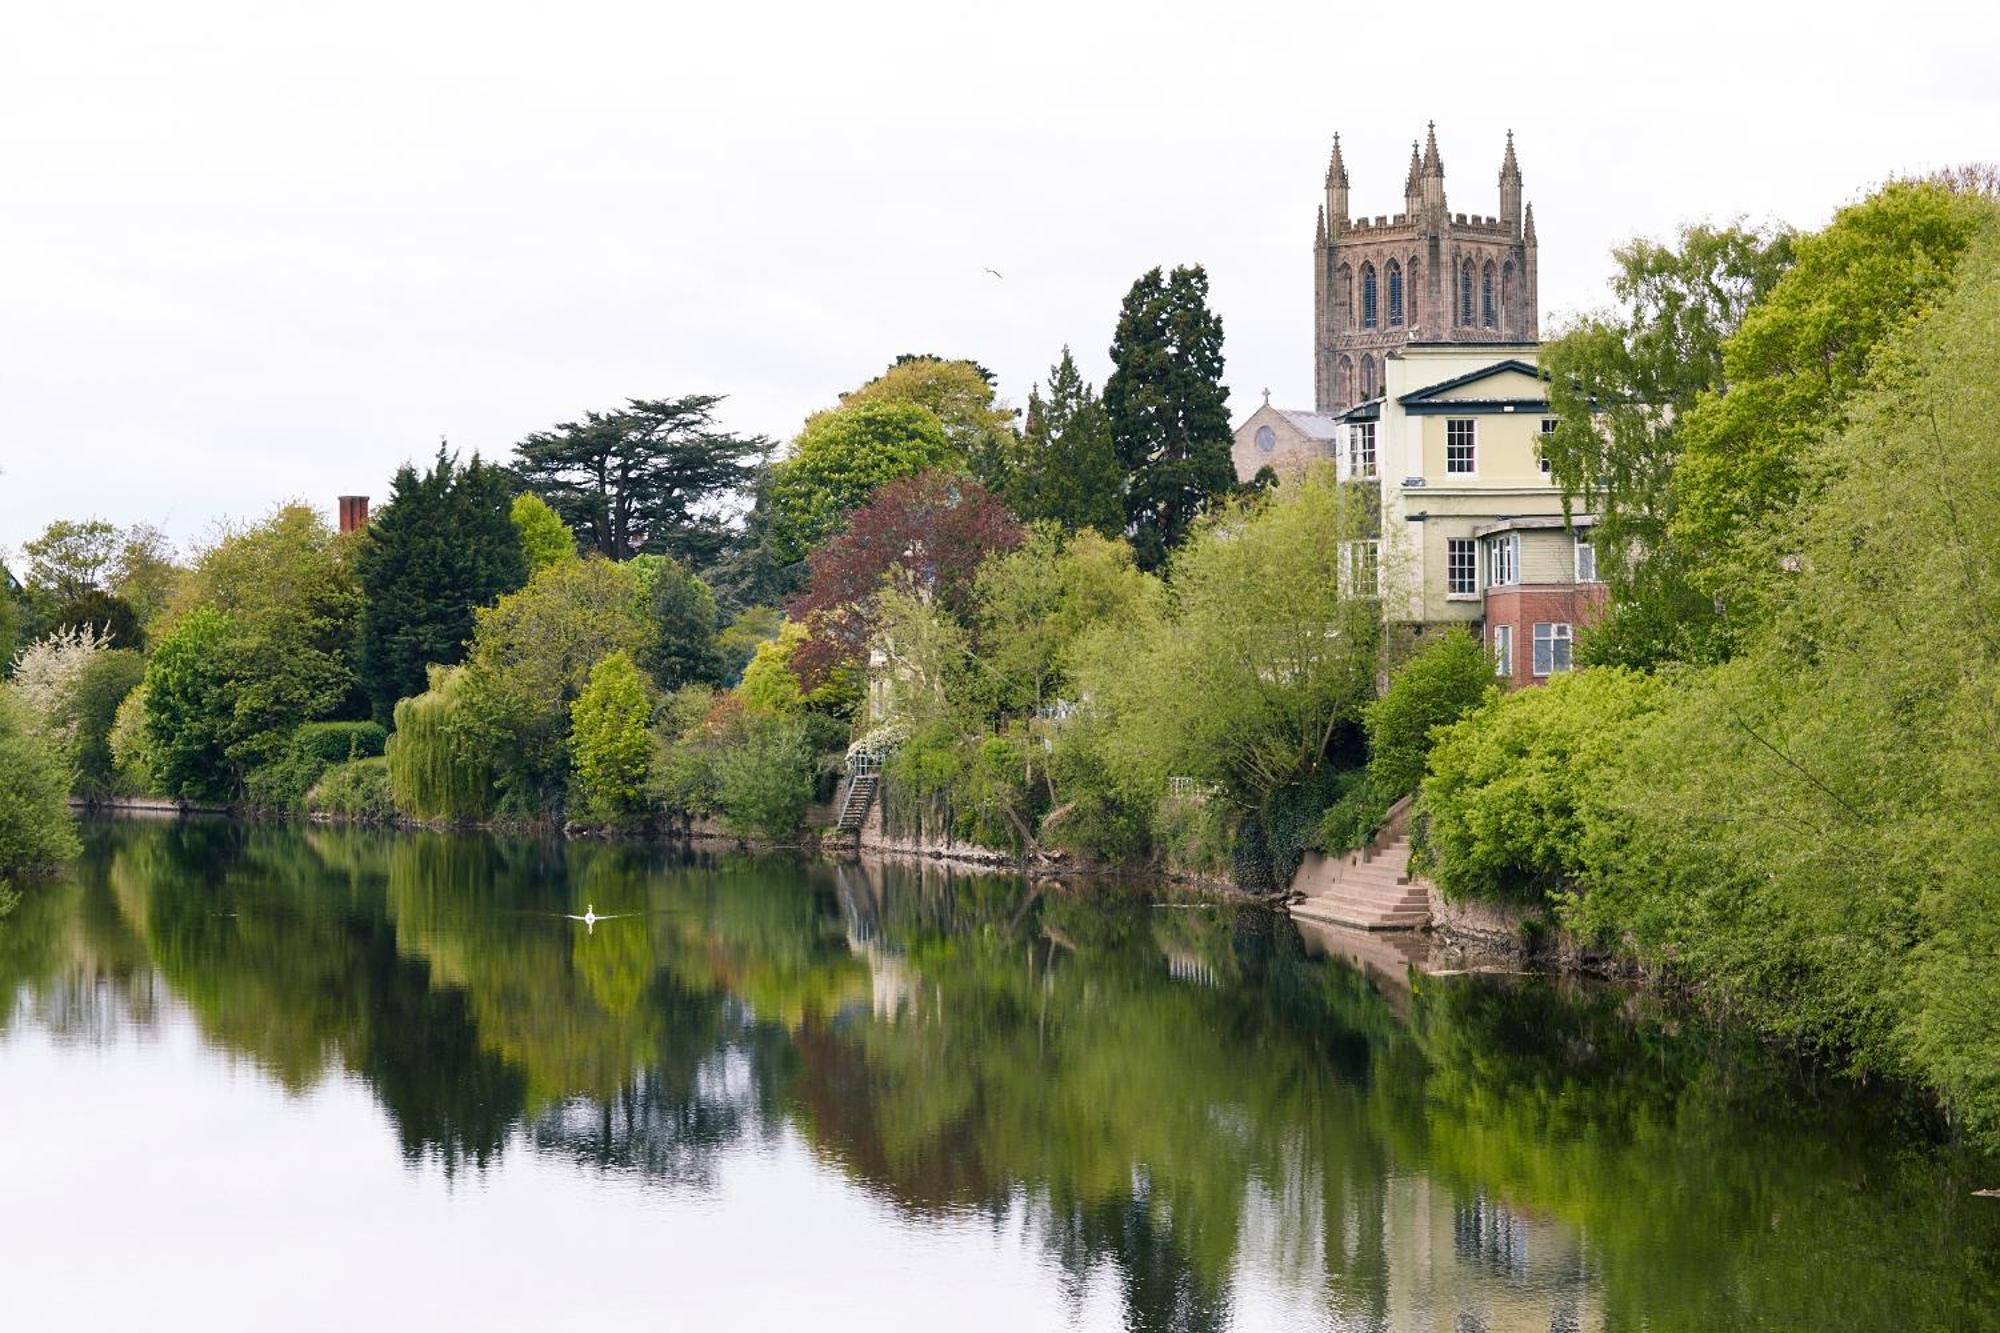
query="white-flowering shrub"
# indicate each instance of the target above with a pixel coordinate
(44, 686)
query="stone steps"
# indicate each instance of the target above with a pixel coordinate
(1372, 890)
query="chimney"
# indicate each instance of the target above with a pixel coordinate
(353, 513)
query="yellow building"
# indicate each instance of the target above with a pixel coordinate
(1453, 440)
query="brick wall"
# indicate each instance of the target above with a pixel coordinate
(1525, 605)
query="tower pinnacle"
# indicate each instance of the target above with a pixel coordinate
(1510, 188)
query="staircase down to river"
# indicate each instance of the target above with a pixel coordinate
(1371, 889)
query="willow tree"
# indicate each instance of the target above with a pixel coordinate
(434, 774)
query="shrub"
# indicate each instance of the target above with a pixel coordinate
(763, 774)
(1194, 836)
(282, 784)
(1502, 802)
(434, 774)
(358, 790)
(131, 747)
(46, 678)
(1356, 813)
(681, 781)
(611, 746)
(35, 829)
(1434, 687)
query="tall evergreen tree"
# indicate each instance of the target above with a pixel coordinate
(1168, 409)
(444, 544)
(655, 476)
(1066, 470)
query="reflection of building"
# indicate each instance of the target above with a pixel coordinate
(1409, 1254)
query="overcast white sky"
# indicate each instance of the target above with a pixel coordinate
(253, 250)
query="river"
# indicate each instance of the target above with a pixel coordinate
(259, 1078)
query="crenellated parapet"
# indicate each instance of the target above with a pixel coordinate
(1427, 274)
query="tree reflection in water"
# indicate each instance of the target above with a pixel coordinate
(1161, 1096)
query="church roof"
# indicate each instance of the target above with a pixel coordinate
(1312, 425)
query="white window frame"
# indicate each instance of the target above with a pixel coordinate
(1503, 651)
(1584, 546)
(1558, 635)
(1471, 425)
(1361, 568)
(1361, 449)
(1503, 560)
(1471, 552)
(1541, 457)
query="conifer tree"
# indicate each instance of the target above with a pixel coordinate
(444, 544)
(1066, 470)
(656, 475)
(1168, 409)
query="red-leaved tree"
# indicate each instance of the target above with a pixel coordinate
(932, 530)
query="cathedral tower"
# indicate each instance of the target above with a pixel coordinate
(1421, 275)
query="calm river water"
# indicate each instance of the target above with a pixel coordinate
(279, 1079)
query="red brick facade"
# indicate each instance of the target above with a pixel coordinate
(1521, 606)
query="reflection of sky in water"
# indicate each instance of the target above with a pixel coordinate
(871, 1100)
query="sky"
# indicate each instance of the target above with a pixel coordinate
(253, 252)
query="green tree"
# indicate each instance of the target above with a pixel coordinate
(612, 743)
(191, 685)
(545, 539)
(1264, 648)
(70, 557)
(444, 545)
(106, 680)
(437, 773)
(35, 826)
(1066, 469)
(292, 606)
(681, 610)
(145, 574)
(738, 641)
(131, 747)
(1790, 368)
(1168, 409)
(656, 475)
(838, 461)
(531, 657)
(764, 775)
(1432, 689)
(1806, 833)
(1037, 602)
(112, 617)
(1621, 384)
(960, 394)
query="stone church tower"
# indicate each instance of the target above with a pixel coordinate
(1423, 275)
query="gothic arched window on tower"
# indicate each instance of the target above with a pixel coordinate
(1343, 297)
(1343, 380)
(1367, 378)
(1367, 296)
(1465, 294)
(1506, 289)
(1395, 272)
(1486, 317)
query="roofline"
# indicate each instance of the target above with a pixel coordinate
(1535, 523)
(1513, 364)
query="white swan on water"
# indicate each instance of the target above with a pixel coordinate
(590, 918)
